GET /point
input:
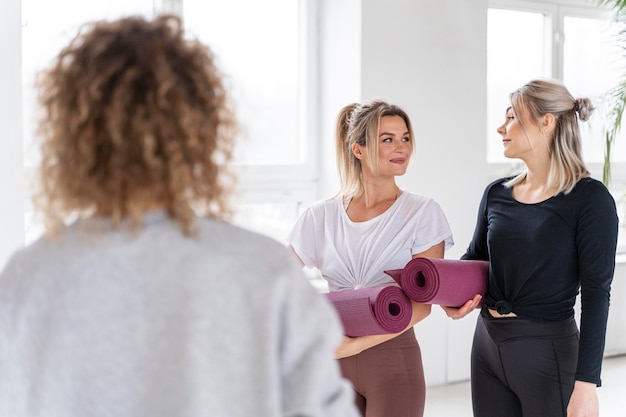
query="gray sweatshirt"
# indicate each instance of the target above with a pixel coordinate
(105, 323)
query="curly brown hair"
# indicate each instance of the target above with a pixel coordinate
(135, 117)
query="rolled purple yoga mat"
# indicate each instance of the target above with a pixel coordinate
(369, 311)
(447, 282)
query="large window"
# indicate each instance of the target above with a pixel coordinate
(268, 50)
(515, 53)
(47, 26)
(264, 67)
(265, 50)
(568, 42)
(590, 66)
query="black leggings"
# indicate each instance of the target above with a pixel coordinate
(522, 368)
(388, 379)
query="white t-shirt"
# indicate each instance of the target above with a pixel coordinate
(354, 255)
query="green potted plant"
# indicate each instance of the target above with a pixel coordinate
(616, 104)
(616, 96)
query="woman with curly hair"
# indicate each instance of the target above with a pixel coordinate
(142, 300)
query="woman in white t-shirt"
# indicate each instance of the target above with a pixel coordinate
(371, 226)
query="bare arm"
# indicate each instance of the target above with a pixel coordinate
(354, 345)
(296, 255)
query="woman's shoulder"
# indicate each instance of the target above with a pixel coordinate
(593, 191)
(499, 183)
(407, 195)
(418, 203)
(590, 184)
(323, 209)
(416, 200)
(496, 186)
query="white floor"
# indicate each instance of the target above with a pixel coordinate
(454, 399)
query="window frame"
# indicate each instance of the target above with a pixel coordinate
(268, 183)
(285, 182)
(263, 184)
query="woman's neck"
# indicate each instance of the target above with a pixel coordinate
(374, 194)
(537, 171)
(534, 188)
(374, 201)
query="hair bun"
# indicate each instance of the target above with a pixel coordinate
(584, 108)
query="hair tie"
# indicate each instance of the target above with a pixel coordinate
(576, 105)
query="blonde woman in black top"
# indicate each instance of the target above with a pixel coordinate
(549, 232)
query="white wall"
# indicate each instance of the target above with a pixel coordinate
(615, 334)
(11, 160)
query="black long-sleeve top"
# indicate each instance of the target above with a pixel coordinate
(542, 254)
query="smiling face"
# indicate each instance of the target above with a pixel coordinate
(394, 149)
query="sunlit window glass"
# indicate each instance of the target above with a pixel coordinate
(47, 26)
(515, 54)
(590, 68)
(257, 46)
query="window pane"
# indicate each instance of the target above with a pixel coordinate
(47, 27)
(590, 68)
(515, 55)
(257, 45)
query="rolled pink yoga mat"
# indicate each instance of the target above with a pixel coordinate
(447, 282)
(369, 311)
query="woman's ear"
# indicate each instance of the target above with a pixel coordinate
(357, 151)
(548, 122)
